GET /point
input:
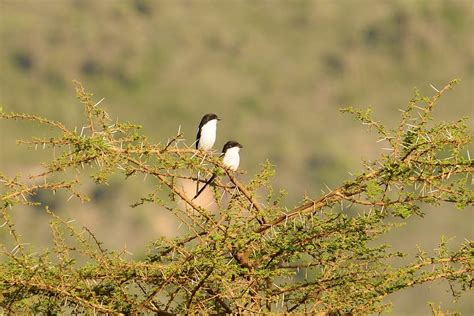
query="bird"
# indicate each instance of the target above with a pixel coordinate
(231, 161)
(206, 136)
(206, 133)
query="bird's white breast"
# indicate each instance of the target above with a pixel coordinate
(208, 135)
(232, 158)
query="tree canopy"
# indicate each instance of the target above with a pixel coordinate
(254, 254)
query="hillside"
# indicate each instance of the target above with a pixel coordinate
(276, 72)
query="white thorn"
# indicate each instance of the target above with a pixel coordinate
(99, 102)
(434, 88)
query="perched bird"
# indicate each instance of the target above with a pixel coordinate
(231, 161)
(206, 134)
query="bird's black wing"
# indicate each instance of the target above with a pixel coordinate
(198, 136)
(204, 120)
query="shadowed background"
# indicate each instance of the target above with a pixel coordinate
(276, 72)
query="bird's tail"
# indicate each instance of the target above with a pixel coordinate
(205, 185)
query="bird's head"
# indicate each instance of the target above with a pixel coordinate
(231, 144)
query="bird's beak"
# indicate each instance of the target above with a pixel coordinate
(219, 119)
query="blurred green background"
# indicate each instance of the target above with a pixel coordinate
(276, 72)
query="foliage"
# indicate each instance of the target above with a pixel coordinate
(254, 255)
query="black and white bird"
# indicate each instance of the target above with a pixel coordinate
(206, 134)
(230, 161)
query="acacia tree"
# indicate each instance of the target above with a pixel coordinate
(254, 255)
